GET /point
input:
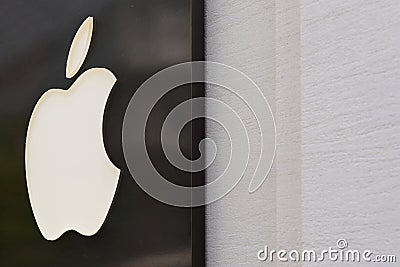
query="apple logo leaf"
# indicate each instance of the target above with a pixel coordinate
(79, 47)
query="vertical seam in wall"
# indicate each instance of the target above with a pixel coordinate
(288, 123)
(243, 35)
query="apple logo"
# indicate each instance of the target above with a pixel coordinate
(71, 181)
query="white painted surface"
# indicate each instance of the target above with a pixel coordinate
(350, 67)
(331, 72)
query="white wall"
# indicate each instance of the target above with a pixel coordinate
(350, 66)
(331, 72)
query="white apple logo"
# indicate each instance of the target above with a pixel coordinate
(71, 181)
